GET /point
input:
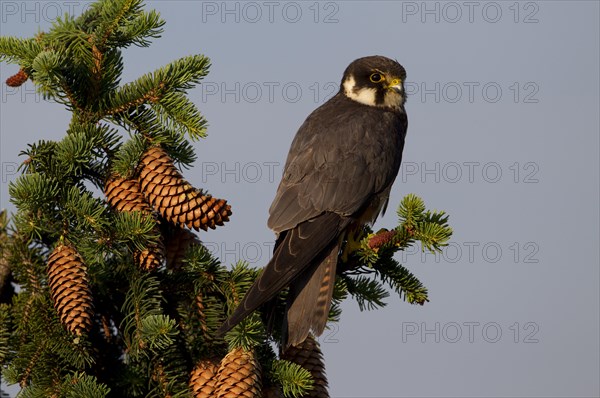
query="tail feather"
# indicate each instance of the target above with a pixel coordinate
(310, 299)
(298, 253)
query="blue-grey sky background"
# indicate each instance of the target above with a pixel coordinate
(503, 135)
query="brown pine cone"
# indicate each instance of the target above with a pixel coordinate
(381, 239)
(124, 195)
(151, 257)
(204, 378)
(308, 355)
(177, 243)
(68, 281)
(174, 198)
(17, 79)
(239, 376)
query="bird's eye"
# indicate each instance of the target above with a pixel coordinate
(376, 77)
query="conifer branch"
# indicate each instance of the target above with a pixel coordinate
(294, 379)
(19, 51)
(375, 256)
(24, 379)
(5, 332)
(122, 8)
(97, 57)
(151, 95)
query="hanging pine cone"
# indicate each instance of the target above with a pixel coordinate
(67, 277)
(174, 198)
(17, 79)
(238, 376)
(125, 195)
(203, 378)
(151, 257)
(177, 243)
(308, 355)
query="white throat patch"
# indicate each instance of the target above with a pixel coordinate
(364, 95)
(393, 99)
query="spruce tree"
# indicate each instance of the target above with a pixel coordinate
(116, 295)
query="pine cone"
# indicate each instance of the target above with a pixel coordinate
(151, 257)
(125, 196)
(308, 355)
(381, 239)
(17, 79)
(174, 198)
(203, 378)
(177, 243)
(67, 277)
(239, 376)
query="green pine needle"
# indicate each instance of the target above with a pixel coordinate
(136, 229)
(128, 156)
(368, 293)
(158, 331)
(80, 385)
(294, 379)
(5, 329)
(143, 300)
(402, 281)
(19, 51)
(34, 192)
(248, 334)
(411, 209)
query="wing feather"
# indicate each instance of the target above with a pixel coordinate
(340, 158)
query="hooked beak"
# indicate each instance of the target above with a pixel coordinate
(396, 85)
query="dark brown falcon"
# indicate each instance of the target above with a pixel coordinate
(337, 177)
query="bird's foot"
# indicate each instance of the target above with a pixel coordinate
(353, 243)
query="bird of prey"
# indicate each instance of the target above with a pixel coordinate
(337, 178)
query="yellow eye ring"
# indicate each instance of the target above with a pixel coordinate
(376, 77)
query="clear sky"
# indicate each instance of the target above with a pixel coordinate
(503, 135)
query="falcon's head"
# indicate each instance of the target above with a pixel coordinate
(375, 81)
